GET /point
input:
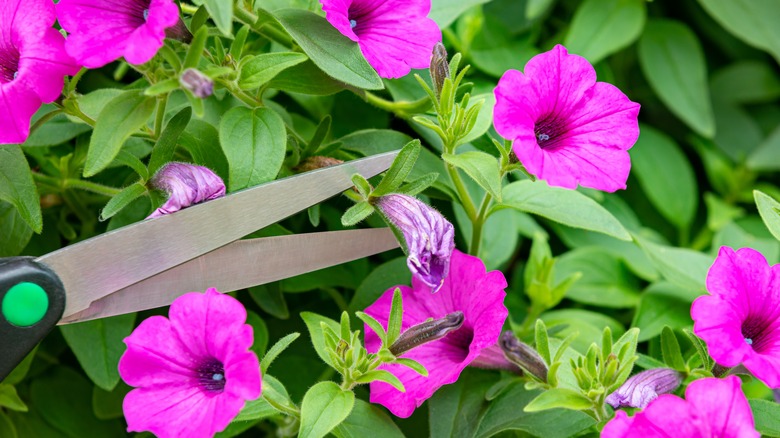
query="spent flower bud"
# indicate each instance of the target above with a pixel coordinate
(440, 68)
(185, 184)
(316, 162)
(426, 332)
(523, 355)
(200, 85)
(642, 388)
(429, 238)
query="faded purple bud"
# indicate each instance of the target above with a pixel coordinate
(185, 184)
(200, 85)
(440, 67)
(642, 388)
(523, 355)
(179, 32)
(493, 358)
(429, 238)
(316, 162)
(426, 332)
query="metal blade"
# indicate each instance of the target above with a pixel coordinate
(112, 261)
(242, 264)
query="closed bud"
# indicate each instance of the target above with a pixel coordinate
(185, 184)
(440, 67)
(426, 332)
(200, 85)
(639, 390)
(523, 356)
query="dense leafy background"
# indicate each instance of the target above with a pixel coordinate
(704, 175)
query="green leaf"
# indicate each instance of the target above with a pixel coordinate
(559, 398)
(260, 330)
(381, 376)
(306, 78)
(324, 407)
(122, 200)
(10, 399)
(277, 349)
(701, 348)
(195, 51)
(670, 349)
(98, 345)
(64, 399)
(162, 87)
(672, 60)
(108, 405)
(367, 420)
(399, 170)
(270, 298)
(166, 144)
(682, 266)
(738, 133)
(56, 130)
(766, 414)
(666, 176)
(752, 21)
(396, 318)
(600, 28)
(766, 157)
(483, 168)
(356, 213)
(15, 231)
(748, 81)
(17, 186)
(201, 140)
(568, 207)
(237, 46)
(254, 142)
(660, 306)
(362, 185)
(419, 185)
(374, 325)
(20, 372)
(334, 53)
(382, 278)
(604, 280)
(417, 367)
(7, 428)
(313, 321)
(274, 391)
(262, 68)
(222, 13)
(122, 116)
(444, 12)
(769, 209)
(542, 341)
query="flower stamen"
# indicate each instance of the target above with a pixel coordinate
(211, 375)
(146, 14)
(352, 24)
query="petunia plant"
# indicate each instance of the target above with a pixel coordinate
(585, 200)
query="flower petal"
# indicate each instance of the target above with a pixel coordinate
(722, 406)
(43, 64)
(719, 324)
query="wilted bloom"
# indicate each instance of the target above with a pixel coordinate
(740, 319)
(429, 239)
(642, 388)
(200, 85)
(395, 36)
(712, 408)
(186, 184)
(479, 295)
(440, 68)
(192, 372)
(427, 331)
(523, 355)
(33, 64)
(102, 31)
(567, 128)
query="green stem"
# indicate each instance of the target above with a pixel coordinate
(403, 109)
(261, 27)
(476, 226)
(45, 118)
(75, 111)
(159, 118)
(74, 81)
(463, 194)
(100, 189)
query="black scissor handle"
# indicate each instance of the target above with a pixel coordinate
(32, 299)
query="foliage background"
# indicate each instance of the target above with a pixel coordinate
(705, 73)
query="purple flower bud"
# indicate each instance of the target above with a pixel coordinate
(428, 238)
(185, 184)
(493, 358)
(426, 332)
(639, 390)
(523, 355)
(200, 85)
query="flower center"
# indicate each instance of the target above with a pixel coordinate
(146, 14)
(211, 375)
(352, 23)
(9, 64)
(755, 331)
(547, 131)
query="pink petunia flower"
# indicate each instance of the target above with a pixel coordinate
(186, 184)
(192, 372)
(33, 64)
(567, 128)
(479, 295)
(428, 238)
(102, 31)
(740, 319)
(712, 408)
(395, 36)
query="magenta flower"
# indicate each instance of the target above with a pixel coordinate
(712, 408)
(33, 64)
(567, 128)
(429, 238)
(740, 319)
(192, 372)
(186, 184)
(642, 388)
(102, 31)
(395, 36)
(479, 295)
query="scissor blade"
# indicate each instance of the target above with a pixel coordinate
(115, 260)
(242, 264)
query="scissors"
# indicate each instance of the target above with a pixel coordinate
(150, 263)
